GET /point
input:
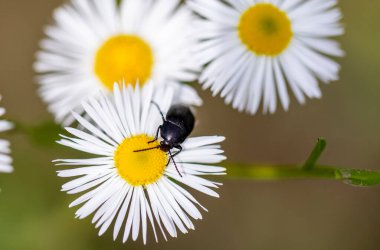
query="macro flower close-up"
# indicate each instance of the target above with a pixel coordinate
(135, 189)
(5, 159)
(254, 51)
(189, 124)
(92, 44)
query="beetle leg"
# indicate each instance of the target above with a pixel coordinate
(180, 150)
(155, 138)
(175, 164)
(146, 149)
(159, 110)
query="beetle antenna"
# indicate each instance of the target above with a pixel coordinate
(175, 164)
(146, 149)
(159, 110)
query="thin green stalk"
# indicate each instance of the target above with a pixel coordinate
(309, 170)
(315, 154)
(278, 172)
(355, 177)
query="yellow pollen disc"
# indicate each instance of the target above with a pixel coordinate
(140, 168)
(265, 29)
(123, 57)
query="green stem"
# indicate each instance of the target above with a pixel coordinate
(355, 177)
(278, 172)
(315, 154)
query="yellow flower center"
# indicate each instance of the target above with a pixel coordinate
(265, 29)
(140, 168)
(123, 57)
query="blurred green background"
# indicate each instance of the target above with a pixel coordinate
(250, 215)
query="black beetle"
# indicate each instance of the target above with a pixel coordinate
(175, 129)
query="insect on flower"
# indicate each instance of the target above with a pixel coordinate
(175, 129)
(132, 190)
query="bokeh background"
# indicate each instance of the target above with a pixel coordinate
(309, 214)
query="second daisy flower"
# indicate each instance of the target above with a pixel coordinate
(254, 49)
(94, 43)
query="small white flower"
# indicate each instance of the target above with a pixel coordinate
(133, 189)
(94, 43)
(5, 159)
(256, 49)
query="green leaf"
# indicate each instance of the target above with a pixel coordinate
(361, 178)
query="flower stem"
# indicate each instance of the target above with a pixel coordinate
(278, 172)
(309, 170)
(354, 177)
(315, 154)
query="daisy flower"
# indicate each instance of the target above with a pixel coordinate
(5, 159)
(256, 49)
(94, 43)
(133, 189)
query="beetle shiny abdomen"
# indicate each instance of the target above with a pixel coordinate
(179, 122)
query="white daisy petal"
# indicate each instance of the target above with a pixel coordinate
(136, 215)
(149, 213)
(123, 212)
(86, 182)
(88, 162)
(131, 212)
(256, 86)
(127, 187)
(185, 203)
(220, 13)
(143, 212)
(5, 159)
(82, 171)
(281, 85)
(251, 49)
(169, 209)
(161, 214)
(106, 213)
(197, 186)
